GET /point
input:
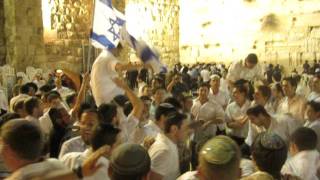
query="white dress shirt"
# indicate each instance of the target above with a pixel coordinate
(205, 74)
(3, 100)
(314, 125)
(103, 70)
(237, 71)
(210, 110)
(221, 97)
(75, 144)
(151, 129)
(313, 96)
(296, 107)
(37, 170)
(304, 165)
(190, 175)
(283, 125)
(235, 112)
(46, 123)
(63, 91)
(164, 157)
(72, 160)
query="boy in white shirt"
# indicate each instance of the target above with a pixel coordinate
(305, 161)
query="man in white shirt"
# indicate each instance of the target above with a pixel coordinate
(313, 120)
(104, 69)
(305, 159)
(88, 119)
(103, 134)
(63, 91)
(292, 103)
(249, 70)
(22, 145)
(261, 121)
(153, 127)
(315, 86)
(23, 94)
(164, 152)
(33, 108)
(216, 94)
(205, 74)
(208, 113)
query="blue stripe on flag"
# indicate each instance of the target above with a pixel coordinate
(120, 21)
(107, 2)
(102, 40)
(147, 54)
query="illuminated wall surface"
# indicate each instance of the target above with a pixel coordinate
(53, 32)
(280, 31)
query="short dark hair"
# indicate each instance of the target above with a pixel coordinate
(51, 96)
(83, 107)
(128, 107)
(32, 85)
(304, 138)
(145, 98)
(242, 89)
(103, 134)
(120, 100)
(269, 156)
(164, 109)
(314, 105)
(252, 58)
(174, 102)
(24, 138)
(45, 88)
(71, 98)
(265, 91)
(24, 89)
(292, 81)
(256, 110)
(174, 118)
(108, 112)
(30, 104)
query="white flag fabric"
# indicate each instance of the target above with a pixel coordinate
(109, 28)
(144, 52)
(107, 23)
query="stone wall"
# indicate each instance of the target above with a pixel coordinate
(23, 33)
(2, 36)
(279, 31)
(70, 21)
(156, 22)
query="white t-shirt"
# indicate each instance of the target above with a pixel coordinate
(190, 175)
(283, 125)
(71, 160)
(221, 97)
(304, 165)
(102, 86)
(315, 125)
(205, 74)
(235, 112)
(237, 71)
(164, 157)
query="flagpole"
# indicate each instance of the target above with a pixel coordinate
(90, 43)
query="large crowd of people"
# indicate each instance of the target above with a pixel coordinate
(203, 121)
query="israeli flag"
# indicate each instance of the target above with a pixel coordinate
(144, 52)
(109, 28)
(107, 23)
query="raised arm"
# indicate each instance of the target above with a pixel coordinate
(82, 94)
(133, 98)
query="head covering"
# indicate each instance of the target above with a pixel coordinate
(130, 159)
(214, 77)
(271, 141)
(220, 150)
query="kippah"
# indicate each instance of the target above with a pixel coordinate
(271, 141)
(130, 159)
(219, 150)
